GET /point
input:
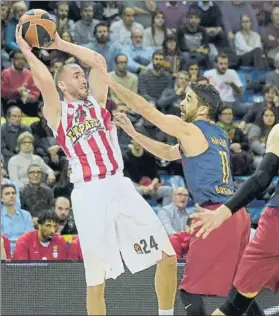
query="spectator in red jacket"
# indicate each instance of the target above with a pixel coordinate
(5, 248)
(44, 243)
(18, 86)
(75, 250)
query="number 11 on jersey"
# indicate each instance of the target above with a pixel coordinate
(225, 166)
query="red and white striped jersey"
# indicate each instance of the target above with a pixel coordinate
(89, 140)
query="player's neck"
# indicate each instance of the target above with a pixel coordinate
(69, 98)
(10, 209)
(201, 117)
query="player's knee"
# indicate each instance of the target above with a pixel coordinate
(169, 262)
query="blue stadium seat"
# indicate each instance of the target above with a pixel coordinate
(257, 74)
(243, 78)
(177, 181)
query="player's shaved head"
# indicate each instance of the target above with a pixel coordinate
(63, 70)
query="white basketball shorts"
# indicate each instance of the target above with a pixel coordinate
(112, 217)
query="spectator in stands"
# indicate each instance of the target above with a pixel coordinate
(270, 35)
(153, 81)
(123, 76)
(272, 77)
(63, 23)
(5, 180)
(5, 248)
(5, 58)
(36, 196)
(211, 20)
(227, 83)
(155, 35)
(174, 216)
(18, 164)
(193, 40)
(271, 101)
(139, 56)
(175, 12)
(174, 60)
(263, 10)
(84, 28)
(240, 156)
(141, 168)
(249, 46)
(124, 139)
(18, 9)
(103, 45)
(64, 187)
(17, 84)
(62, 208)
(193, 70)
(232, 12)
(120, 31)
(258, 133)
(75, 250)
(143, 10)
(14, 221)
(44, 142)
(10, 132)
(55, 64)
(169, 102)
(44, 243)
(108, 10)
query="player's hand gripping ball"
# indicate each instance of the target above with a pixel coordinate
(38, 28)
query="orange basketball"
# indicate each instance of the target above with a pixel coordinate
(38, 28)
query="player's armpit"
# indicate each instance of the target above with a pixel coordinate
(272, 145)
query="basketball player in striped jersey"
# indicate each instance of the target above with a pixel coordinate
(110, 215)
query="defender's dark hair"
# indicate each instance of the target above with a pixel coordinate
(48, 215)
(207, 96)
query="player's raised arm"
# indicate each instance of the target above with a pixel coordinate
(249, 190)
(43, 80)
(96, 61)
(158, 149)
(170, 124)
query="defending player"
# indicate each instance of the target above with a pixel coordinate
(110, 215)
(204, 149)
(259, 266)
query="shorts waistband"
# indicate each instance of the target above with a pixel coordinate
(116, 175)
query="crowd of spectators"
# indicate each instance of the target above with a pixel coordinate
(155, 49)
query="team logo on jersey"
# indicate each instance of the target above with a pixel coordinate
(55, 252)
(84, 129)
(138, 249)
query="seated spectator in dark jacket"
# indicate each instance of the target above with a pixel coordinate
(258, 132)
(45, 144)
(62, 208)
(63, 186)
(272, 77)
(141, 168)
(271, 101)
(18, 85)
(193, 40)
(211, 20)
(270, 35)
(44, 243)
(153, 81)
(10, 132)
(174, 60)
(240, 156)
(36, 196)
(170, 99)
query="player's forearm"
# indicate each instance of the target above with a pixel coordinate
(256, 184)
(156, 148)
(131, 99)
(40, 74)
(86, 55)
